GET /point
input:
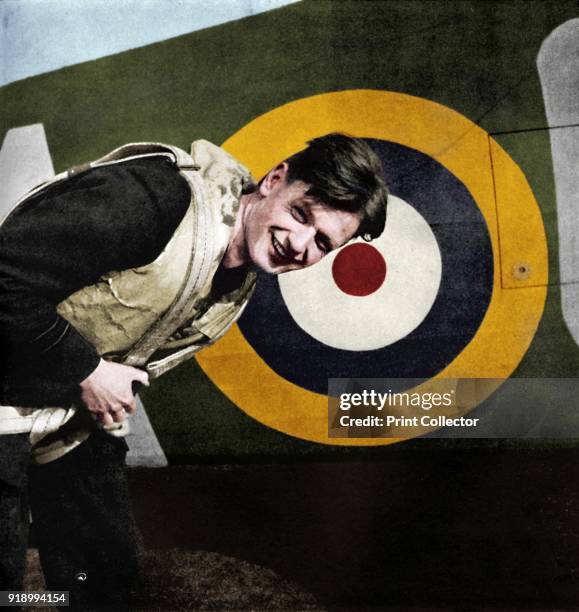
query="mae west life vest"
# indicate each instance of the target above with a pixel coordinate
(131, 315)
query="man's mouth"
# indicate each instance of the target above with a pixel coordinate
(280, 251)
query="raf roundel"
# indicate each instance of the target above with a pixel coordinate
(431, 298)
(428, 308)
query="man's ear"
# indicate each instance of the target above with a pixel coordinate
(273, 178)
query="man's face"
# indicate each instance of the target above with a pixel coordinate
(286, 230)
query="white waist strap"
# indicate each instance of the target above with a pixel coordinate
(39, 422)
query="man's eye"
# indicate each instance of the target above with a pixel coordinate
(323, 246)
(299, 214)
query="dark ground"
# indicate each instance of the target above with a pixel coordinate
(450, 530)
(470, 529)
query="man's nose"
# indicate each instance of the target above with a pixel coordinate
(300, 240)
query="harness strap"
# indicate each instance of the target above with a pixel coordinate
(197, 276)
(160, 366)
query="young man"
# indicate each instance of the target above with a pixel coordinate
(140, 260)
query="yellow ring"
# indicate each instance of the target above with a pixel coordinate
(495, 182)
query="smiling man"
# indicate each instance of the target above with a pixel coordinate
(115, 272)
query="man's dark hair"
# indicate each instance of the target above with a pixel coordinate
(344, 173)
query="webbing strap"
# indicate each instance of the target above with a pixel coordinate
(198, 273)
(138, 150)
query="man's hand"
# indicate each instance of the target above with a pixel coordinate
(107, 392)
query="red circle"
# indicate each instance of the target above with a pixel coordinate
(359, 269)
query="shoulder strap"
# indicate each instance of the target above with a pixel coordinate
(137, 150)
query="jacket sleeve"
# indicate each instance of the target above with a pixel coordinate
(111, 218)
